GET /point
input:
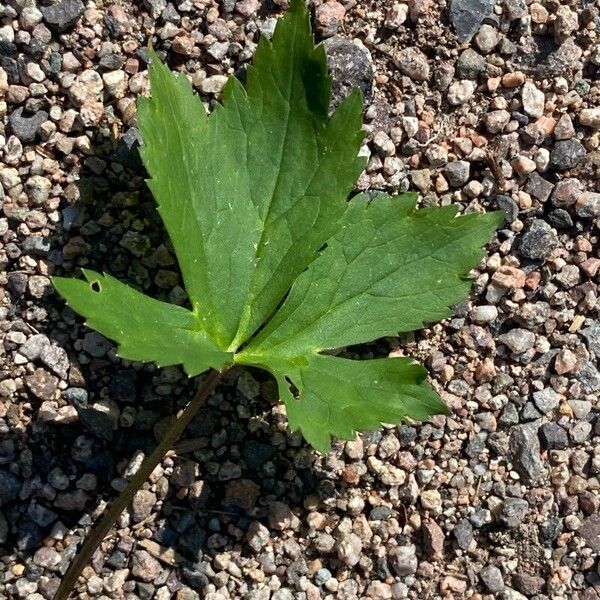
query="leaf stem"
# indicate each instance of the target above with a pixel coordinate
(99, 531)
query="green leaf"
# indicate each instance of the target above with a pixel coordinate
(249, 194)
(277, 264)
(391, 268)
(145, 329)
(338, 396)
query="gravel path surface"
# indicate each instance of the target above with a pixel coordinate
(484, 105)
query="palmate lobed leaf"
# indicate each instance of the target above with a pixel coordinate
(277, 264)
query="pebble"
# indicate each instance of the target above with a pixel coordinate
(242, 494)
(96, 345)
(463, 532)
(403, 560)
(329, 16)
(538, 242)
(413, 63)
(518, 340)
(538, 187)
(467, 15)
(349, 548)
(26, 126)
(10, 486)
(460, 91)
(528, 584)
(62, 15)
(280, 516)
(566, 192)
(101, 418)
(87, 87)
(47, 558)
(470, 64)
(533, 100)
(457, 172)
(142, 505)
(433, 539)
(524, 449)
(144, 566)
(566, 154)
(56, 359)
(213, 84)
(513, 512)
(484, 314)
(492, 579)
(487, 38)
(115, 83)
(257, 536)
(351, 66)
(590, 117)
(553, 436)
(546, 400)
(431, 500)
(590, 529)
(591, 334)
(588, 205)
(42, 384)
(33, 346)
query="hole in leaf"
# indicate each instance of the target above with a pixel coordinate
(293, 389)
(95, 286)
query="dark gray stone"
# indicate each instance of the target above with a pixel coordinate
(566, 154)
(470, 64)
(589, 377)
(463, 532)
(10, 486)
(592, 337)
(513, 511)
(565, 59)
(101, 418)
(41, 515)
(256, 454)
(550, 530)
(457, 172)
(78, 397)
(538, 187)
(26, 126)
(350, 66)
(524, 450)
(145, 590)
(510, 415)
(492, 579)
(553, 436)
(62, 15)
(530, 412)
(466, 16)
(380, 513)
(29, 535)
(509, 207)
(17, 284)
(538, 242)
(560, 219)
(546, 400)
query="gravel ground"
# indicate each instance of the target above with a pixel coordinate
(487, 106)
